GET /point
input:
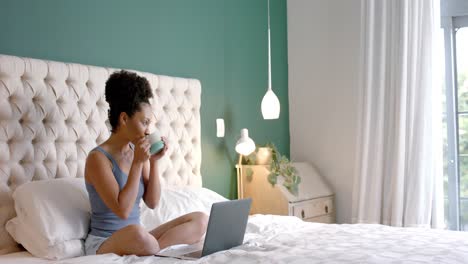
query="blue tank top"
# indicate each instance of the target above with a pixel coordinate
(103, 221)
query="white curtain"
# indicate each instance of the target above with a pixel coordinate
(399, 174)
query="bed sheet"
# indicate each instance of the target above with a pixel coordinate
(287, 239)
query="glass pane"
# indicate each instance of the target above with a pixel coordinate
(463, 192)
(463, 135)
(463, 176)
(462, 68)
(463, 213)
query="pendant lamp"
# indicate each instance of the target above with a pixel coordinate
(270, 102)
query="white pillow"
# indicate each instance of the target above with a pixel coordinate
(176, 201)
(52, 217)
(39, 246)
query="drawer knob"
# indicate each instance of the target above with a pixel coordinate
(326, 209)
(302, 213)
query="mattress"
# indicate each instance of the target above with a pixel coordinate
(287, 239)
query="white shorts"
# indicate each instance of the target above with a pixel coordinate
(93, 243)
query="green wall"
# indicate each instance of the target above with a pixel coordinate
(223, 43)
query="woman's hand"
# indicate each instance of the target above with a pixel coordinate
(142, 148)
(161, 153)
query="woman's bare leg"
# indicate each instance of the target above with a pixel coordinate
(186, 229)
(130, 240)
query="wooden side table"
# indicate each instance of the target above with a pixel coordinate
(314, 202)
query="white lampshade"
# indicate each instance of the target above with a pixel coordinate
(245, 145)
(270, 105)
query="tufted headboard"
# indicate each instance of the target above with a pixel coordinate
(53, 113)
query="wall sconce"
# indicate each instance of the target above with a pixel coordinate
(219, 127)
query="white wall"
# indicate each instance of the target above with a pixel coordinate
(323, 51)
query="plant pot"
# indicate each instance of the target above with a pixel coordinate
(263, 156)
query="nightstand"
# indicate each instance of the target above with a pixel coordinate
(314, 202)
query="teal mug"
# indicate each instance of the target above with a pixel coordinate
(156, 143)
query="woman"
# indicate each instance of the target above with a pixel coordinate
(120, 172)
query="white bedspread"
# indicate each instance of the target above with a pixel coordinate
(284, 239)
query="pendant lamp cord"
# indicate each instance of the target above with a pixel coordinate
(269, 49)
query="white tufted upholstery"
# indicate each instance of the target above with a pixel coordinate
(52, 114)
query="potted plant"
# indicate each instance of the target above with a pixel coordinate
(280, 165)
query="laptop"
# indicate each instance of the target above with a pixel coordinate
(226, 229)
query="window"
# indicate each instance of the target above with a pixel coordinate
(454, 18)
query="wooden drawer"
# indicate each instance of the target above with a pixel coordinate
(327, 219)
(313, 208)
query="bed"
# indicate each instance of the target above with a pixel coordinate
(53, 113)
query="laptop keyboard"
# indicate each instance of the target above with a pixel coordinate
(196, 254)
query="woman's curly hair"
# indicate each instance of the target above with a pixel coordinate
(125, 91)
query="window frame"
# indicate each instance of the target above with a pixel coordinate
(450, 25)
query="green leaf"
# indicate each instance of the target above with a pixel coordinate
(281, 166)
(272, 178)
(294, 190)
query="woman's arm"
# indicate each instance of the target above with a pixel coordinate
(152, 185)
(151, 179)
